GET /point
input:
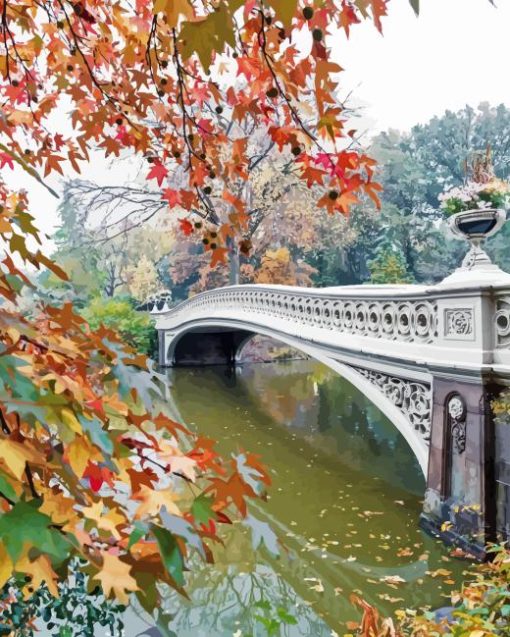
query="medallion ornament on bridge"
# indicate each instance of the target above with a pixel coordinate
(413, 399)
(502, 322)
(457, 422)
(459, 323)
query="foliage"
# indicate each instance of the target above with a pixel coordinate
(277, 267)
(143, 280)
(156, 78)
(74, 613)
(272, 619)
(476, 196)
(480, 609)
(120, 314)
(389, 266)
(414, 168)
(501, 408)
(90, 466)
(99, 261)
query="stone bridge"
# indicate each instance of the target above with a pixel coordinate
(430, 358)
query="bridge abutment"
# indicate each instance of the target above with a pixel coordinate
(460, 504)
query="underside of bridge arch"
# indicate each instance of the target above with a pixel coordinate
(219, 345)
(207, 346)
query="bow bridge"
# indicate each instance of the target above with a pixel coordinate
(430, 358)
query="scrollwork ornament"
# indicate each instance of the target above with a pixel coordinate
(457, 422)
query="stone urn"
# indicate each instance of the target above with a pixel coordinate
(475, 226)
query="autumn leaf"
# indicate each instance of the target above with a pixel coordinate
(41, 572)
(15, 456)
(6, 566)
(115, 577)
(158, 172)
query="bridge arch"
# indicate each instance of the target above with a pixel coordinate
(217, 341)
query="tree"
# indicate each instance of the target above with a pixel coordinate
(277, 267)
(142, 279)
(119, 314)
(389, 266)
(80, 427)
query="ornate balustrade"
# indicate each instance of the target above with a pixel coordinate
(411, 320)
(412, 314)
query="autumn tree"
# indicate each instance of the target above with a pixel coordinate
(89, 466)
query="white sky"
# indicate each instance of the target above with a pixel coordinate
(455, 53)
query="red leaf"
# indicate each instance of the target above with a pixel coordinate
(158, 172)
(5, 158)
(172, 196)
(186, 226)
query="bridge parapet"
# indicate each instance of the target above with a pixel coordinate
(466, 328)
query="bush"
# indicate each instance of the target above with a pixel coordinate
(74, 613)
(120, 314)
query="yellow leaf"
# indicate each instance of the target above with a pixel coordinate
(41, 571)
(15, 455)
(105, 521)
(69, 419)
(152, 501)
(173, 9)
(114, 576)
(79, 452)
(5, 565)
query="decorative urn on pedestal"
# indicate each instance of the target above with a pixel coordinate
(475, 211)
(476, 226)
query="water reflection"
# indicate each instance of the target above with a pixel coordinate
(345, 502)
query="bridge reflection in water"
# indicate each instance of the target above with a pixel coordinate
(345, 502)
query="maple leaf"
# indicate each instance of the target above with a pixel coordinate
(186, 227)
(97, 476)
(152, 501)
(41, 572)
(173, 197)
(158, 172)
(348, 17)
(204, 37)
(115, 576)
(5, 158)
(219, 255)
(15, 456)
(79, 452)
(285, 10)
(234, 490)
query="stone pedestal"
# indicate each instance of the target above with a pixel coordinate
(460, 504)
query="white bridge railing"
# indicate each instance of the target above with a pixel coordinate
(458, 326)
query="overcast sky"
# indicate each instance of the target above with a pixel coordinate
(455, 53)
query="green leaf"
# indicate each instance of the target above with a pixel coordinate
(137, 533)
(284, 10)
(415, 5)
(211, 34)
(285, 617)
(201, 509)
(170, 553)
(7, 489)
(24, 524)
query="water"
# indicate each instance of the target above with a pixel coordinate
(345, 502)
